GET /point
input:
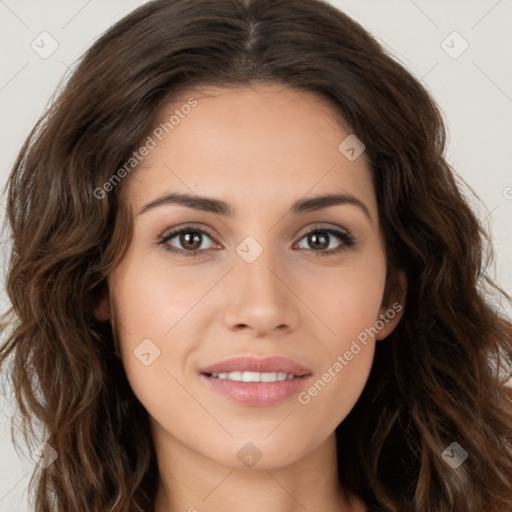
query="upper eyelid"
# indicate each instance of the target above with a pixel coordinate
(173, 232)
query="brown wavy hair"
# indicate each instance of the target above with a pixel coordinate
(439, 378)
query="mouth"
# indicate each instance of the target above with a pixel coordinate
(253, 376)
(252, 381)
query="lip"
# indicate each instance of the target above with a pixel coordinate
(257, 394)
(255, 364)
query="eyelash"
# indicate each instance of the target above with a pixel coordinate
(344, 236)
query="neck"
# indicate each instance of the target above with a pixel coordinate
(194, 483)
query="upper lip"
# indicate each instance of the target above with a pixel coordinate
(257, 364)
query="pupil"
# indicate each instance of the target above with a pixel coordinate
(314, 238)
(188, 239)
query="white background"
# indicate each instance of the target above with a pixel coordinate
(474, 92)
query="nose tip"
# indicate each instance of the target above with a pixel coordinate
(258, 299)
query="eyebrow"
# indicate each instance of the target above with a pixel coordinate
(219, 207)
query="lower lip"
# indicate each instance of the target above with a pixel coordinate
(256, 394)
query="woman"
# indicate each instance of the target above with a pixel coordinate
(244, 277)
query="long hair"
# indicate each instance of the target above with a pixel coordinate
(438, 379)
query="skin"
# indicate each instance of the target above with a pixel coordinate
(258, 148)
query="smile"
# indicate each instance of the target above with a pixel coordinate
(254, 376)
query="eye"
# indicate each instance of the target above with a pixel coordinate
(321, 237)
(191, 240)
(189, 237)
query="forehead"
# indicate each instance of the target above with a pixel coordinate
(265, 142)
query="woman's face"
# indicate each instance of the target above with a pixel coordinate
(245, 280)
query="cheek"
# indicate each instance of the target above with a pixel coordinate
(335, 391)
(347, 355)
(348, 306)
(347, 299)
(154, 306)
(152, 297)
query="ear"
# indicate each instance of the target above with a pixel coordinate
(391, 313)
(102, 309)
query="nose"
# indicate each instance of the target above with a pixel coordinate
(260, 298)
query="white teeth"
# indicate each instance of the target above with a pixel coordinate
(247, 376)
(268, 377)
(254, 376)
